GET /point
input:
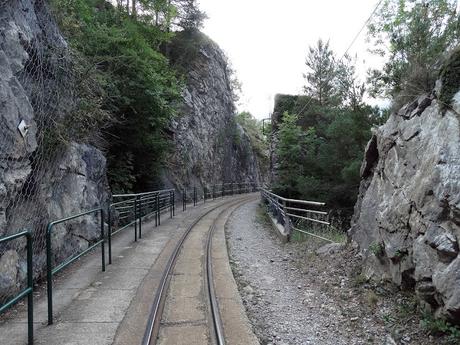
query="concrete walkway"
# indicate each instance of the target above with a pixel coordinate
(90, 305)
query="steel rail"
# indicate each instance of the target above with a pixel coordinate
(217, 321)
(153, 322)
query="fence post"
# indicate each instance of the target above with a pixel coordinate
(49, 275)
(194, 196)
(135, 219)
(139, 214)
(103, 240)
(287, 224)
(204, 194)
(109, 234)
(30, 285)
(213, 191)
(184, 200)
(158, 209)
(223, 189)
(174, 202)
(170, 204)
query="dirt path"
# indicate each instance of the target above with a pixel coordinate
(294, 296)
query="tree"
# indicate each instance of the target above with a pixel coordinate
(292, 151)
(413, 35)
(321, 76)
(351, 90)
(189, 16)
(140, 87)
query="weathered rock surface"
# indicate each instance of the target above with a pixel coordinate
(407, 218)
(40, 180)
(210, 147)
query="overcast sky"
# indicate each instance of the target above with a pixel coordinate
(267, 41)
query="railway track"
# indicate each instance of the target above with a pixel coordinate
(211, 327)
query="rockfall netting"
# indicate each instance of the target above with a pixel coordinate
(43, 174)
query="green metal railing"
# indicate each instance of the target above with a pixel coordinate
(129, 209)
(50, 271)
(27, 292)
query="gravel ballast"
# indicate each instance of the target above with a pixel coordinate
(295, 296)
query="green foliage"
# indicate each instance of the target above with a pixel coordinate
(321, 153)
(186, 47)
(321, 74)
(165, 14)
(450, 77)
(292, 151)
(439, 326)
(377, 249)
(322, 135)
(139, 85)
(417, 34)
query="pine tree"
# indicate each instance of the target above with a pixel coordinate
(321, 76)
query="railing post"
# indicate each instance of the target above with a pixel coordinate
(49, 275)
(109, 234)
(223, 190)
(194, 196)
(158, 209)
(135, 219)
(213, 191)
(204, 194)
(231, 189)
(287, 223)
(154, 210)
(139, 214)
(30, 285)
(103, 240)
(170, 204)
(174, 202)
(184, 200)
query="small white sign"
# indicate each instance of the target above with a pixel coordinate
(23, 128)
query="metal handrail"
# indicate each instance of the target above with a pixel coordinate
(51, 271)
(140, 205)
(285, 212)
(297, 201)
(28, 291)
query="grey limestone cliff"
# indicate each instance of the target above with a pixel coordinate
(407, 218)
(209, 146)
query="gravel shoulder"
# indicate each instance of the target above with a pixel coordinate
(293, 295)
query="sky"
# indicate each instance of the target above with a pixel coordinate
(267, 41)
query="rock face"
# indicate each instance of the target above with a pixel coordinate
(407, 218)
(40, 180)
(210, 147)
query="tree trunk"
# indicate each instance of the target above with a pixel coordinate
(133, 8)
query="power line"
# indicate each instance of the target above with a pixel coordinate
(362, 28)
(349, 47)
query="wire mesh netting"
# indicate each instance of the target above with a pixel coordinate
(36, 94)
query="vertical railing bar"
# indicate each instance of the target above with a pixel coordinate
(109, 234)
(30, 285)
(139, 214)
(103, 241)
